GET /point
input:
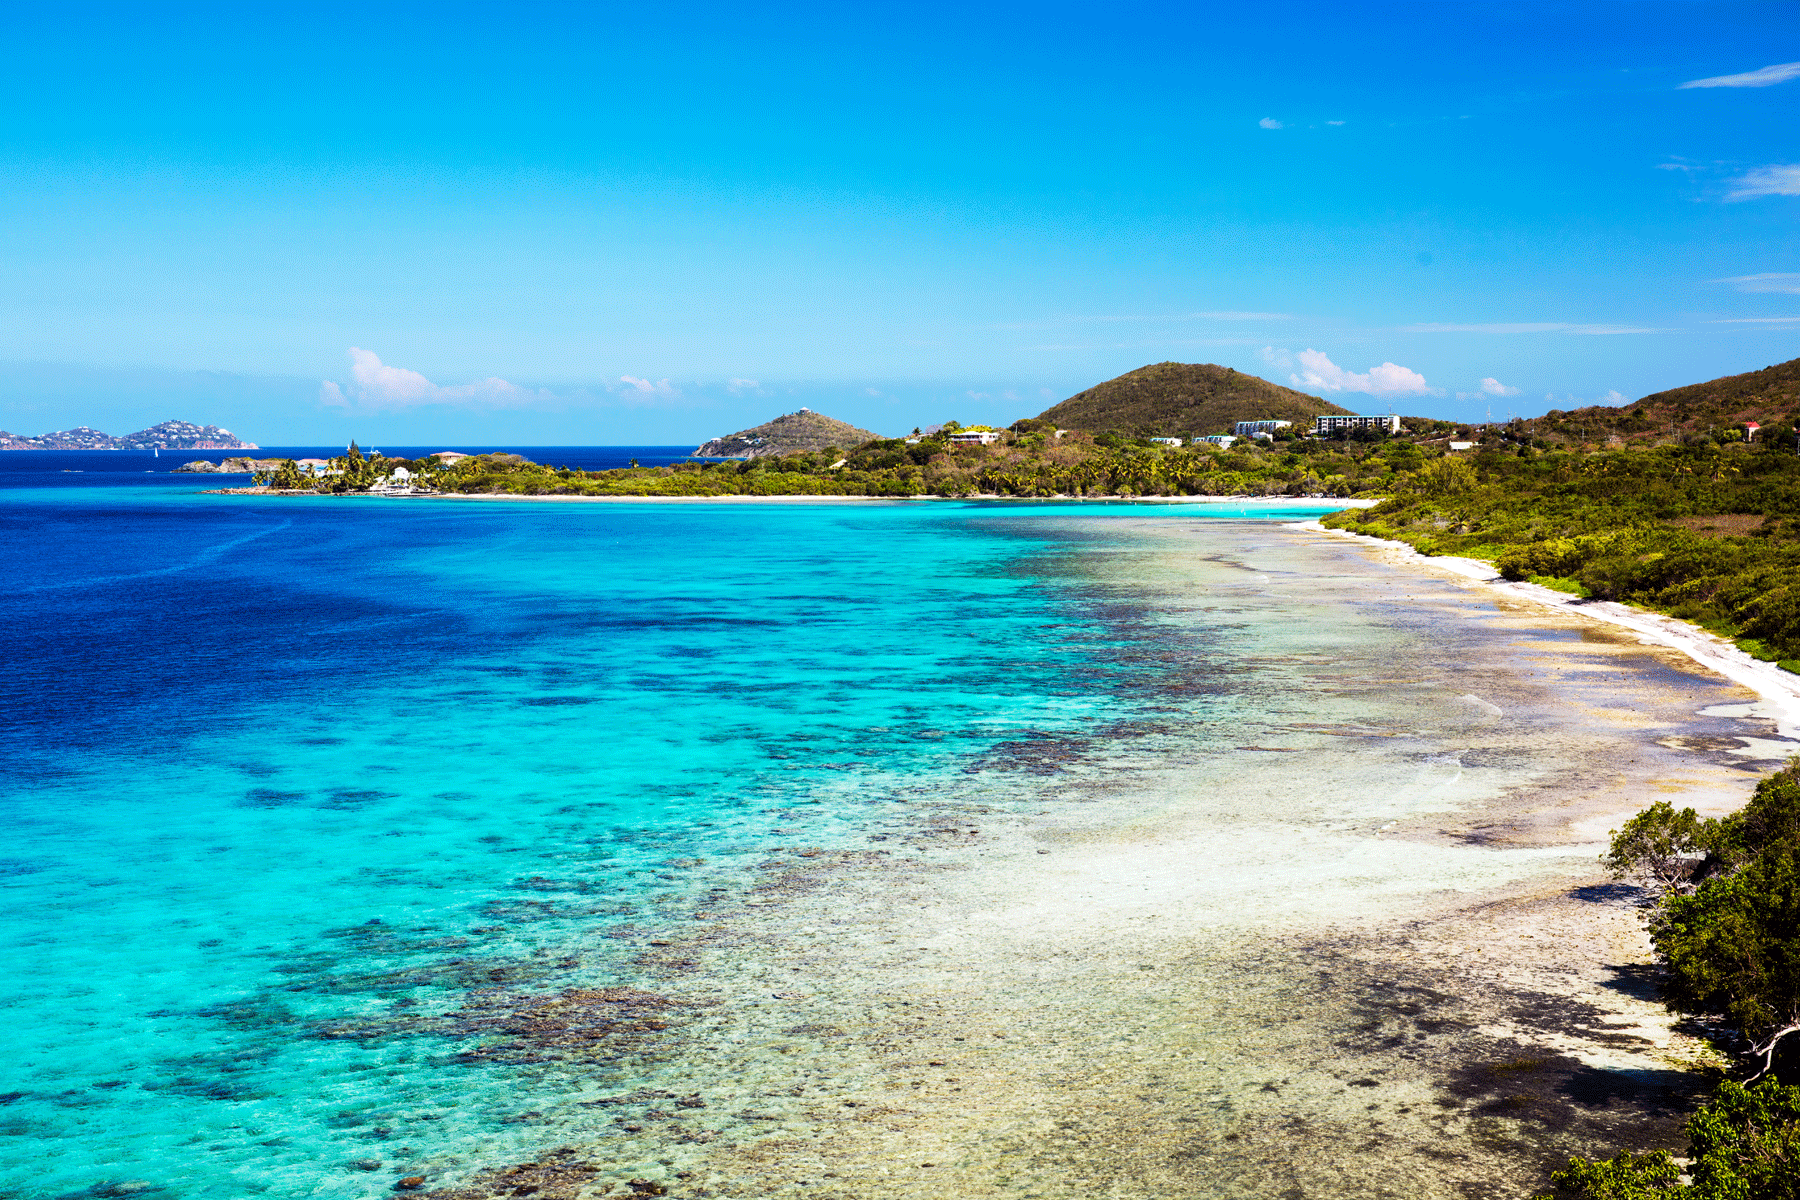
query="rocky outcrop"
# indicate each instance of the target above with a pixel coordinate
(231, 466)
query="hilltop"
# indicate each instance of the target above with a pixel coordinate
(1188, 399)
(1770, 396)
(803, 432)
(169, 435)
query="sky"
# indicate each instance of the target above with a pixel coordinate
(546, 224)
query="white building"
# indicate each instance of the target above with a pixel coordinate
(1333, 426)
(1166, 441)
(1461, 445)
(974, 437)
(1259, 428)
(1221, 440)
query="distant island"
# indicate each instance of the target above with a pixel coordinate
(170, 435)
(803, 432)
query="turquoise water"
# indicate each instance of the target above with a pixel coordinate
(291, 786)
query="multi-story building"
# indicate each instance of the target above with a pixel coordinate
(1259, 428)
(1332, 426)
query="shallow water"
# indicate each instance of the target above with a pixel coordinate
(331, 818)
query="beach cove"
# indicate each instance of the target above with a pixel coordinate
(993, 849)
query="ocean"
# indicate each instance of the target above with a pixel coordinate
(355, 841)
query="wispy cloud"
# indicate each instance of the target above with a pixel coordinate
(1526, 327)
(1125, 318)
(375, 385)
(1778, 179)
(1769, 281)
(1270, 123)
(643, 389)
(1762, 77)
(1489, 388)
(1334, 122)
(1312, 369)
(1755, 321)
(738, 387)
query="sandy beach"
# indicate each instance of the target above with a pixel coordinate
(1778, 690)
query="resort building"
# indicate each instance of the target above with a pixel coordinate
(1462, 445)
(1166, 441)
(974, 437)
(315, 466)
(1261, 429)
(1221, 440)
(1334, 426)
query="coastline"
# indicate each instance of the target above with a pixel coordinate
(1269, 501)
(1779, 689)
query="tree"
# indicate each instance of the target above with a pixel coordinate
(1660, 845)
(1732, 945)
(1744, 1145)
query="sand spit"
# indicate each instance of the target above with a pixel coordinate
(1779, 690)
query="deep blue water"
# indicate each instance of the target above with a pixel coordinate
(277, 767)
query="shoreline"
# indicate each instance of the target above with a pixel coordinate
(1779, 689)
(1270, 501)
(1131, 980)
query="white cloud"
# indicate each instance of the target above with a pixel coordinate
(739, 386)
(644, 389)
(1334, 122)
(1771, 281)
(1525, 327)
(1762, 77)
(1493, 387)
(1755, 321)
(1270, 123)
(1614, 397)
(1775, 180)
(1318, 372)
(375, 385)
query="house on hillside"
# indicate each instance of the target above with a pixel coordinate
(974, 437)
(1260, 429)
(1221, 440)
(1166, 441)
(1751, 429)
(1324, 426)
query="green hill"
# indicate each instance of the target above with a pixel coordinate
(803, 432)
(1770, 396)
(1187, 399)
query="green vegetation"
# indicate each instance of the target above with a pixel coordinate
(1173, 399)
(1028, 461)
(1726, 927)
(1707, 530)
(1744, 1145)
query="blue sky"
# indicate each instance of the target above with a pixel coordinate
(655, 223)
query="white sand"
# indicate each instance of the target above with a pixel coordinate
(1779, 689)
